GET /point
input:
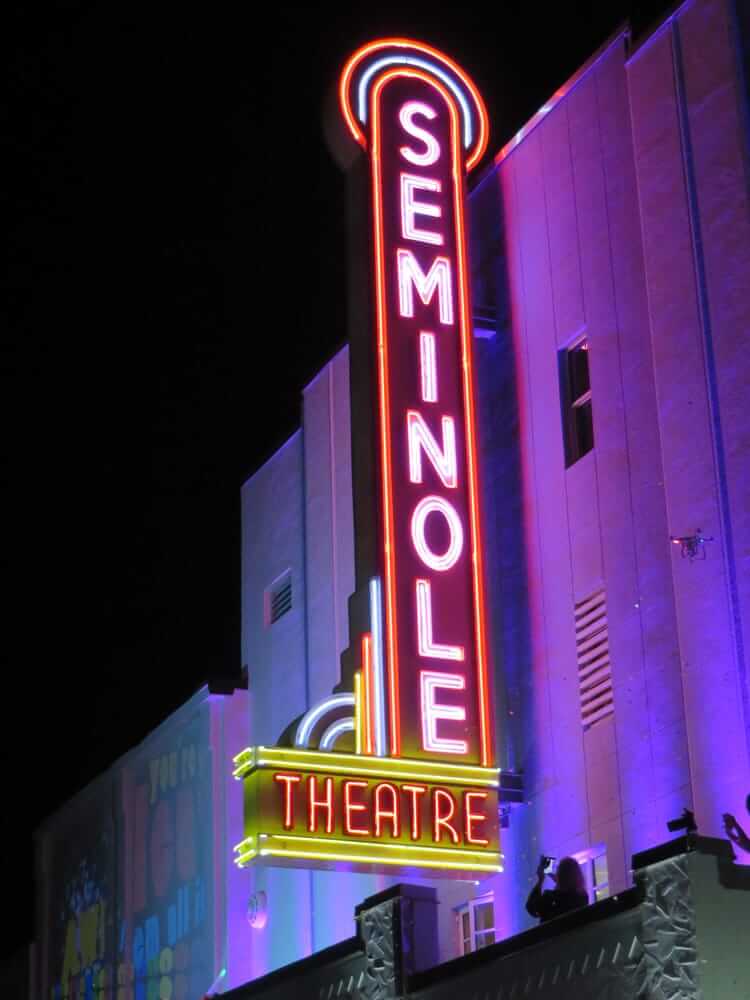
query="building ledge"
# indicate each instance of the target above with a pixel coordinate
(688, 844)
(622, 902)
(303, 970)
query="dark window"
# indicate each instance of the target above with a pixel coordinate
(575, 394)
(279, 598)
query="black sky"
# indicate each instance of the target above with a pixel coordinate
(173, 274)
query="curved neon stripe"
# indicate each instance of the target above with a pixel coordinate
(372, 768)
(406, 859)
(405, 43)
(317, 712)
(378, 676)
(450, 772)
(467, 351)
(423, 64)
(433, 849)
(385, 418)
(335, 730)
(391, 625)
(359, 711)
(368, 691)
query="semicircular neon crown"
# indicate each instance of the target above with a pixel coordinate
(364, 68)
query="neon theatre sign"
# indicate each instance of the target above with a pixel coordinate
(420, 789)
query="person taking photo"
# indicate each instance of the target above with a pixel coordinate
(569, 892)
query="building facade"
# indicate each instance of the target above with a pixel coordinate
(610, 249)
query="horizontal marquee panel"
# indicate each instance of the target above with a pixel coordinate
(312, 809)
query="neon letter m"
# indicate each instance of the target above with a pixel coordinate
(411, 276)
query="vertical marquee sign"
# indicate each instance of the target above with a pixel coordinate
(420, 789)
(421, 110)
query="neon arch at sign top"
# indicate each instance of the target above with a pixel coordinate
(429, 59)
(401, 60)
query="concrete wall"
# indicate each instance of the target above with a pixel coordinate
(569, 252)
(625, 214)
(690, 151)
(297, 515)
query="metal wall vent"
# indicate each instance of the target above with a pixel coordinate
(592, 653)
(279, 597)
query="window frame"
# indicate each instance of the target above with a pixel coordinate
(573, 446)
(469, 909)
(587, 860)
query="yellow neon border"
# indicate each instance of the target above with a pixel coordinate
(408, 854)
(405, 861)
(358, 712)
(324, 841)
(395, 767)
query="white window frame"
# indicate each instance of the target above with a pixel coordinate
(571, 404)
(586, 860)
(470, 908)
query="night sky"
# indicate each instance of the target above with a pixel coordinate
(173, 275)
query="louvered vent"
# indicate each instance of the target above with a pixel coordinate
(592, 652)
(280, 597)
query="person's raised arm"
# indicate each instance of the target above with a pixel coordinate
(535, 896)
(735, 832)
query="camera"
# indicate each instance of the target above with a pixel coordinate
(685, 822)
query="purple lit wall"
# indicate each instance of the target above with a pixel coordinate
(297, 516)
(625, 219)
(691, 149)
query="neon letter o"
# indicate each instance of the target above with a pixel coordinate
(437, 505)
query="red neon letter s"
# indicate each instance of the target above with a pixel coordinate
(432, 146)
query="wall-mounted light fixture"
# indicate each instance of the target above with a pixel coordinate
(257, 910)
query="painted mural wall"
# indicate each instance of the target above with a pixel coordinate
(127, 892)
(165, 934)
(81, 898)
